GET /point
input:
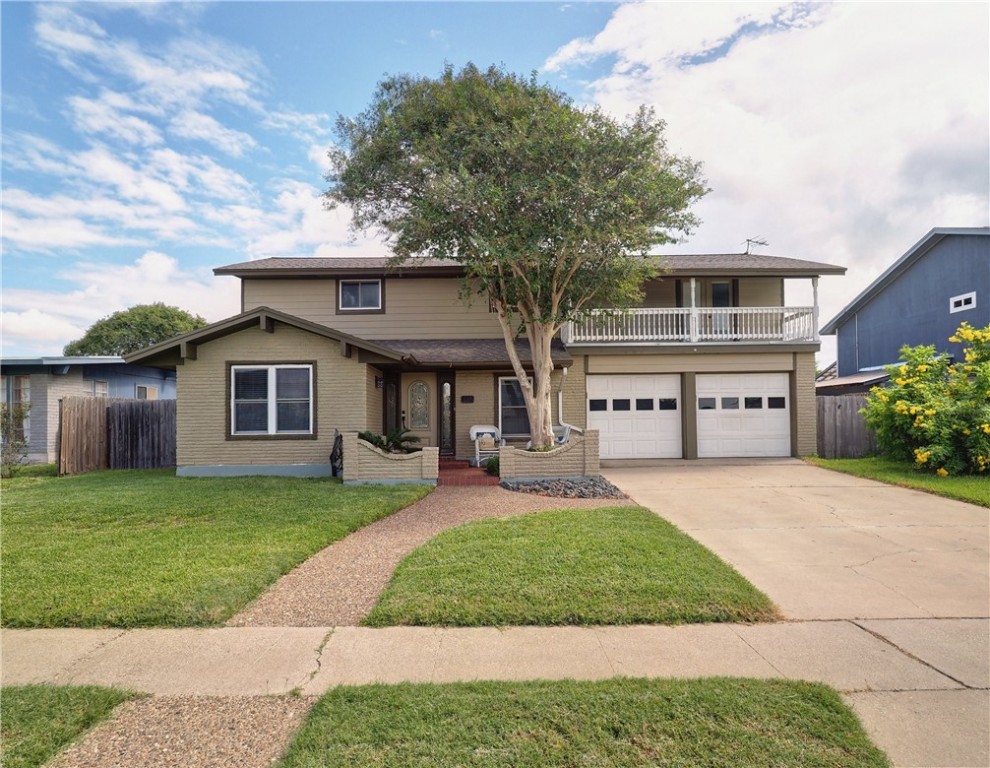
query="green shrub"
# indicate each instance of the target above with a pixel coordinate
(936, 413)
(396, 441)
(491, 466)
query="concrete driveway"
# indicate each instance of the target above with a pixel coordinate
(824, 545)
(906, 568)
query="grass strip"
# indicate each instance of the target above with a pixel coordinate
(145, 548)
(39, 720)
(603, 566)
(620, 722)
(974, 489)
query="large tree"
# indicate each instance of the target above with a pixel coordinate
(133, 329)
(550, 208)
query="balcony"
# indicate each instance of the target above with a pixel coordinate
(696, 325)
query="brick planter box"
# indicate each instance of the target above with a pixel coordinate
(578, 458)
(366, 464)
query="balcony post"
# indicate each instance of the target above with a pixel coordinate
(694, 314)
(814, 311)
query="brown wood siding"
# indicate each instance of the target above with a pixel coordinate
(422, 308)
(340, 387)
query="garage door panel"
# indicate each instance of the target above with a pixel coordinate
(630, 418)
(737, 428)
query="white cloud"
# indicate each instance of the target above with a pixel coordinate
(190, 124)
(38, 321)
(105, 116)
(841, 132)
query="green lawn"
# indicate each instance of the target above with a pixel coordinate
(621, 722)
(972, 488)
(603, 566)
(145, 548)
(39, 720)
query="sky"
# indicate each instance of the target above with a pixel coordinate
(146, 143)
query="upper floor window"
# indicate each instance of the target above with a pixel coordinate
(360, 296)
(962, 302)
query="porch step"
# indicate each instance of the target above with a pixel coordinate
(465, 476)
(450, 463)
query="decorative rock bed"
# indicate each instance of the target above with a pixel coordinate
(567, 488)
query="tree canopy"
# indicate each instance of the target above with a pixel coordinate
(133, 329)
(551, 209)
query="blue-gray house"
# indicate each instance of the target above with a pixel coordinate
(43, 381)
(922, 298)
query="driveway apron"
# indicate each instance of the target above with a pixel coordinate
(910, 569)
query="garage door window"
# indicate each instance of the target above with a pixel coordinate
(598, 405)
(620, 405)
(754, 403)
(644, 404)
(730, 403)
(776, 402)
(667, 404)
(706, 403)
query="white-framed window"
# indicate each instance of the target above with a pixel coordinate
(512, 418)
(360, 295)
(271, 399)
(962, 302)
(146, 393)
(102, 388)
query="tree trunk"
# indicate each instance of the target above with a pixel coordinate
(536, 395)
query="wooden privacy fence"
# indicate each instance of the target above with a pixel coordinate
(100, 433)
(842, 430)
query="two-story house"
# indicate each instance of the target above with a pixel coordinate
(921, 298)
(713, 364)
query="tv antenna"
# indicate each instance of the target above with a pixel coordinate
(757, 241)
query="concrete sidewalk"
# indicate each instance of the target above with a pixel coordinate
(941, 664)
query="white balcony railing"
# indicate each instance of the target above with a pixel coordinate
(714, 325)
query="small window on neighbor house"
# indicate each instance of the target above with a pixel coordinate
(668, 404)
(147, 393)
(357, 295)
(598, 405)
(102, 389)
(706, 403)
(962, 302)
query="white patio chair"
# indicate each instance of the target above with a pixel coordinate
(487, 441)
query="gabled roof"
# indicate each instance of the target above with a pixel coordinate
(898, 268)
(696, 265)
(169, 353)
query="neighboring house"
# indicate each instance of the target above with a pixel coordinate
(43, 381)
(922, 298)
(712, 365)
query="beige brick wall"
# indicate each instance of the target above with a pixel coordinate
(341, 398)
(375, 401)
(363, 463)
(579, 457)
(806, 409)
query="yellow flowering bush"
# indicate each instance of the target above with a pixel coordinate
(936, 413)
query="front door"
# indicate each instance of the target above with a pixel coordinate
(418, 392)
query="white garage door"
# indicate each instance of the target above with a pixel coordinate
(744, 414)
(638, 416)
